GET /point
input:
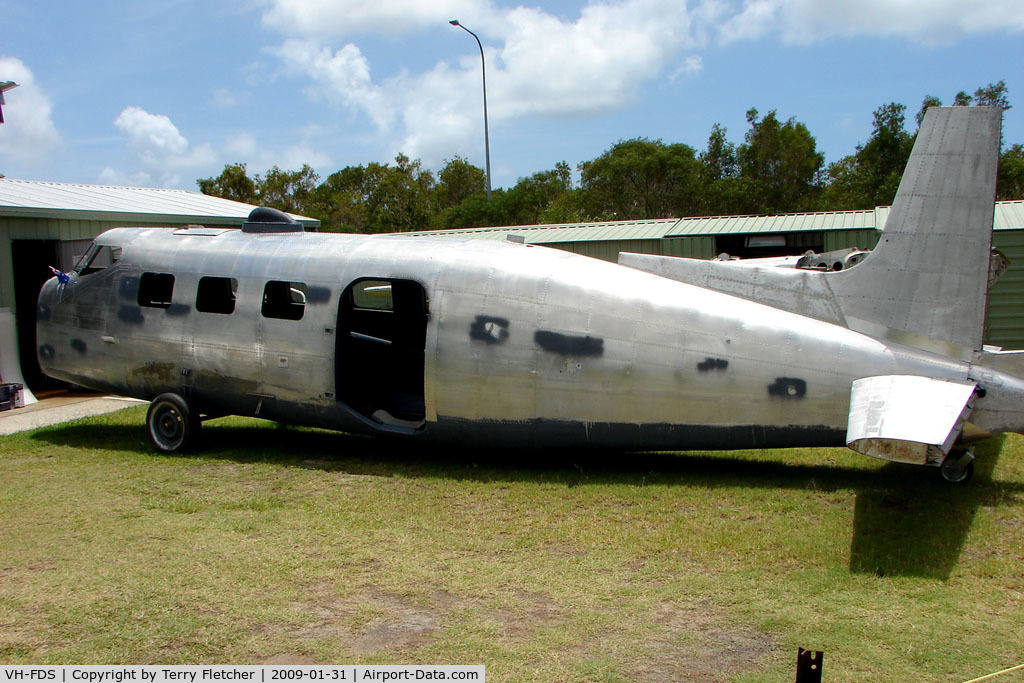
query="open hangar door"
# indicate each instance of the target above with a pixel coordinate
(32, 260)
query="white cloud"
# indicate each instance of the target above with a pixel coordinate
(338, 76)
(163, 152)
(244, 148)
(689, 66)
(921, 21)
(222, 98)
(28, 133)
(333, 18)
(543, 65)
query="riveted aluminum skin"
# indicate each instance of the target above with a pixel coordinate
(508, 344)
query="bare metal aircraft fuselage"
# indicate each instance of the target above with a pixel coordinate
(498, 343)
(486, 341)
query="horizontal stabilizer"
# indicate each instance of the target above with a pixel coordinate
(906, 418)
(799, 291)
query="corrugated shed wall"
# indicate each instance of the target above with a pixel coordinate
(848, 239)
(609, 251)
(689, 247)
(1004, 324)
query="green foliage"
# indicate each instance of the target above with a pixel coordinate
(641, 178)
(871, 176)
(457, 181)
(1010, 183)
(776, 169)
(928, 101)
(232, 183)
(781, 164)
(287, 190)
(401, 200)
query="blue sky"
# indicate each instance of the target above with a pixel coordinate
(162, 92)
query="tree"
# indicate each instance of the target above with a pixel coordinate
(871, 176)
(289, 191)
(401, 199)
(641, 178)
(456, 181)
(1010, 184)
(232, 183)
(780, 165)
(928, 101)
(340, 201)
(719, 175)
(526, 201)
(993, 95)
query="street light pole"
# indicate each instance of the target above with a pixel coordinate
(483, 71)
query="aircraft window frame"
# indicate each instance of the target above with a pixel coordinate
(98, 257)
(213, 297)
(284, 300)
(368, 294)
(156, 290)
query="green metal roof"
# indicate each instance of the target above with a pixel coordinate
(565, 232)
(127, 205)
(790, 222)
(1008, 216)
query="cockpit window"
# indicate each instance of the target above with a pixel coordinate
(98, 258)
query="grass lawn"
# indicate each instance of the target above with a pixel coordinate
(300, 546)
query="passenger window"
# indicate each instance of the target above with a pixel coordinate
(216, 295)
(98, 258)
(373, 295)
(155, 290)
(284, 300)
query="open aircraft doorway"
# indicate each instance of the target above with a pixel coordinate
(382, 329)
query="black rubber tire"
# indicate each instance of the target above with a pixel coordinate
(172, 426)
(961, 478)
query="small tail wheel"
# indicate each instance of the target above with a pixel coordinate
(958, 467)
(172, 426)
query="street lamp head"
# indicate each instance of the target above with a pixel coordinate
(454, 22)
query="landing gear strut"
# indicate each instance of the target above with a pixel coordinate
(958, 466)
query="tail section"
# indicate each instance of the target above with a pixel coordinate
(925, 283)
(928, 275)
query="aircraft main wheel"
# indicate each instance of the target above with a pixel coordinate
(958, 467)
(172, 427)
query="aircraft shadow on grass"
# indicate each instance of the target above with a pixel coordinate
(903, 525)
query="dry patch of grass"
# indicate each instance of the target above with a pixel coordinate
(300, 546)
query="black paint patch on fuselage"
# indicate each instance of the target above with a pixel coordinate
(178, 310)
(318, 295)
(79, 345)
(788, 387)
(712, 364)
(489, 329)
(569, 345)
(131, 315)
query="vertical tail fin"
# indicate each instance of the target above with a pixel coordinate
(926, 281)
